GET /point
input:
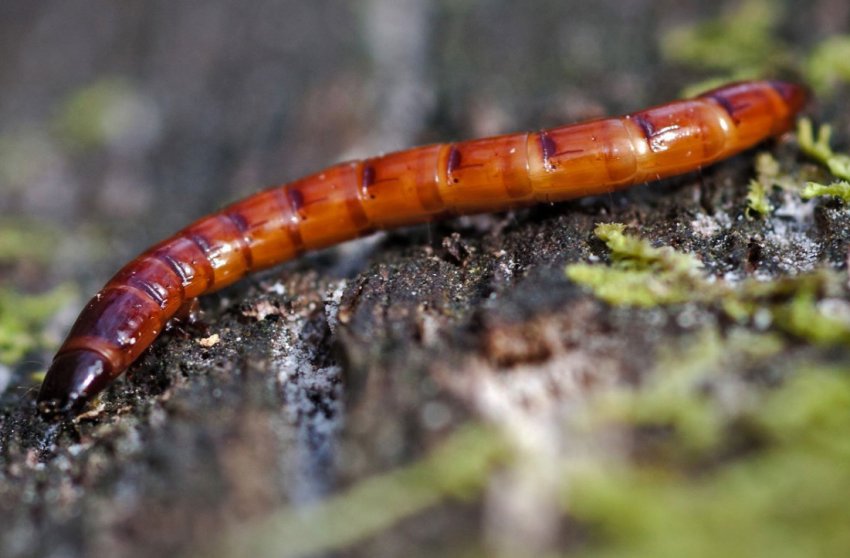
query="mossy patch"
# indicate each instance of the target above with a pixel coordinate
(681, 397)
(743, 43)
(459, 468)
(768, 175)
(840, 190)
(786, 498)
(757, 201)
(640, 274)
(645, 276)
(817, 146)
(829, 63)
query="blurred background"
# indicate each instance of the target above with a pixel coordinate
(121, 122)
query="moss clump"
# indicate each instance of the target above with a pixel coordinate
(639, 274)
(723, 465)
(757, 200)
(680, 397)
(629, 252)
(742, 42)
(817, 146)
(840, 190)
(804, 317)
(459, 468)
(829, 63)
(768, 175)
(644, 276)
(786, 499)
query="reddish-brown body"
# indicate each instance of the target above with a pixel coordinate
(352, 199)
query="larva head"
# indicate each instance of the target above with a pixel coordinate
(795, 95)
(758, 109)
(73, 378)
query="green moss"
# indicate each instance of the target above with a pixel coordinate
(786, 500)
(811, 412)
(645, 276)
(674, 399)
(630, 252)
(803, 317)
(640, 274)
(22, 319)
(94, 113)
(459, 468)
(767, 175)
(741, 42)
(26, 240)
(729, 467)
(840, 189)
(757, 201)
(829, 64)
(681, 397)
(631, 288)
(817, 147)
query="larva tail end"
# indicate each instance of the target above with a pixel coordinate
(73, 378)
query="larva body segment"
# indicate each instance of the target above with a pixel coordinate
(418, 185)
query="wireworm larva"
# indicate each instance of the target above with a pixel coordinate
(351, 199)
